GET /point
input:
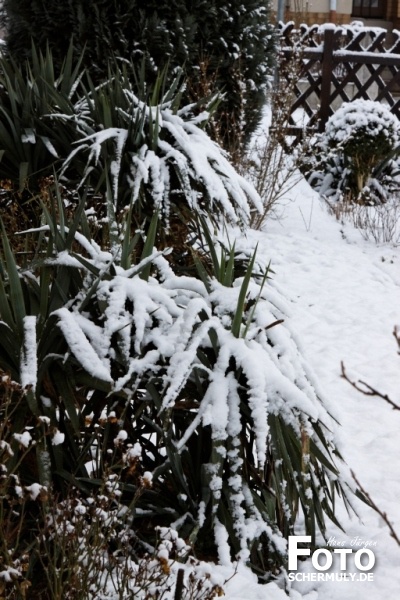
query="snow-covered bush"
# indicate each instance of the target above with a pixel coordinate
(379, 223)
(180, 377)
(130, 141)
(218, 394)
(354, 153)
(155, 155)
(197, 372)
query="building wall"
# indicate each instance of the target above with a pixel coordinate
(318, 11)
(393, 10)
(319, 6)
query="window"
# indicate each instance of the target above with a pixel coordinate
(369, 8)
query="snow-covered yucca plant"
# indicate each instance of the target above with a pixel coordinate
(155, 154)
(30, 146)
(355, 151)
(202, 374)
(198, 371)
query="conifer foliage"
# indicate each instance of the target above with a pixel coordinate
(224, 45)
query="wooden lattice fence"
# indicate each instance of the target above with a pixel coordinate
(323, 66)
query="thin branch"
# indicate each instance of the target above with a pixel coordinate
(368, 390)
(384, 516)
(396, 334)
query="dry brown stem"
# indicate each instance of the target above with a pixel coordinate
(380, 512)
(368, 390)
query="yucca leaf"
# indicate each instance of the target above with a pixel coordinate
(157, 88)
(229, 268)
(6, 313)
(68, 77)
(32, 295)
(67, 392)
(251, 315)
(155, 396)
(225, 517)
(175, 462)
(211, 246)
(61, 288)
(51, 346)
(45, 279)
(201, 271)
(321, 457)
(58, 216)
(51, 220)
(77, 220)
(87, 380)
(129, 242)
(279, 443)
(149, 245)
(240, 308)
(9, 351)
(23, 175)
(175, 92)
(16, 294)
(79, 483)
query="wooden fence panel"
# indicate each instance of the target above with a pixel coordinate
(324, 66)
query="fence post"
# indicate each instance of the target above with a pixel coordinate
(179, 585)
(326, 75)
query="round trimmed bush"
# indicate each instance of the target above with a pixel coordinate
(355, 151)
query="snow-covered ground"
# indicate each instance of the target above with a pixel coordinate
(344, 294)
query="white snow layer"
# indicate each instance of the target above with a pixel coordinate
(28, 366)
(344, 296)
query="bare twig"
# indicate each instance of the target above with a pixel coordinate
(379, 223)
(396, 334)
(384, 516)
(272, 162)
(368, 390)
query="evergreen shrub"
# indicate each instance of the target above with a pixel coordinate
(354, 154)
(114, 353)
(225, 46)
(30, 146)
(144, 147)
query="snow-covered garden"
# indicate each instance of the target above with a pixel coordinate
(181, 341)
